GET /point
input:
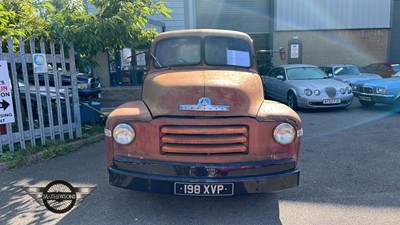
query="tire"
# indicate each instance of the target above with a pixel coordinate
(397, 105)
(292, 101)
(367, 104)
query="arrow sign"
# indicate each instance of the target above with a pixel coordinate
(4, 104)
(6, 101)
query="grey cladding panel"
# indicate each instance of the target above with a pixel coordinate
(394, 45)
(332, 14)
(246, 16)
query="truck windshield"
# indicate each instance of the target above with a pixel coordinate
(225, 51)
(180, 51)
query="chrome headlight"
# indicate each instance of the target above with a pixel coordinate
(307, 92)
(83, 86)
(349, 89)
(343, 91)
(123, 134)
(317, 92)
(284, 133)
(381, 91)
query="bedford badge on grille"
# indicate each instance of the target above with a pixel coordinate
(204, 104)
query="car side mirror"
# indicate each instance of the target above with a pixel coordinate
(280, 77)
(330, 75)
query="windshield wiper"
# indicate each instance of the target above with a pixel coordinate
(158, 62)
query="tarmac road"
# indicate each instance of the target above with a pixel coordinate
(350, 174)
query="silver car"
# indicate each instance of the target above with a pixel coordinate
(347, 73)
(306, 86)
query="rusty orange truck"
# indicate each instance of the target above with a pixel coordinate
(202, 126)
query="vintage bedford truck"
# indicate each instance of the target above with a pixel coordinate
(202, 126)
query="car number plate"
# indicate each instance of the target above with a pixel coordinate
(204, 189)
(365, 98)
(332, 101)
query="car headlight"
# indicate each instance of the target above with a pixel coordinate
(349, 89)
(343, 91)
(317, 92)
(381, 91)
(354, 87)
(307, 92)
(123, 134)
(284, 133)
(83, 86)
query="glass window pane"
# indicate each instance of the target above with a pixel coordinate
(225, 51)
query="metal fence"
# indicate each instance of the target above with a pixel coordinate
(42, 111)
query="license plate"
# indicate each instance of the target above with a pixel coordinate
(204, 189)
(365, 98)
(332, 101)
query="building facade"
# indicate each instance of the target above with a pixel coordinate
(356, 32)
(332, 31)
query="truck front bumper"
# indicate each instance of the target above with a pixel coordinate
(175, 178)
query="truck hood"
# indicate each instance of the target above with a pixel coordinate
(218, 93)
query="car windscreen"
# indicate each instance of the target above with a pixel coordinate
(227, 51)
(346, 70)
(180, 51)
(396, 67)
(306, 73)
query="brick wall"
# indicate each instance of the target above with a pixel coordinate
(358, 47)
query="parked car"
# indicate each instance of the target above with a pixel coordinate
(384, 69)
(88, 85)
(306, 86)
(347, 73)
(43, 96)
(385, 91)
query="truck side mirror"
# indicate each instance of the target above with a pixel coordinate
(281, 51)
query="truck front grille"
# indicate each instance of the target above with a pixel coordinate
(94, 82)
(204, 139)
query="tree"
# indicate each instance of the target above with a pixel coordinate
(23, 18)
(117, 24)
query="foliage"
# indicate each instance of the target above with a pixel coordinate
(52, 149)
(117, 24)
(25, 18)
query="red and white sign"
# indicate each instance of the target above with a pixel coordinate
(6, 104)
(294, 51)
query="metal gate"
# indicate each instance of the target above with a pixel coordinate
(44, 107)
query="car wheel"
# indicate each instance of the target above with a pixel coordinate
(397, 105)
(292, 100)
(367, 104)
